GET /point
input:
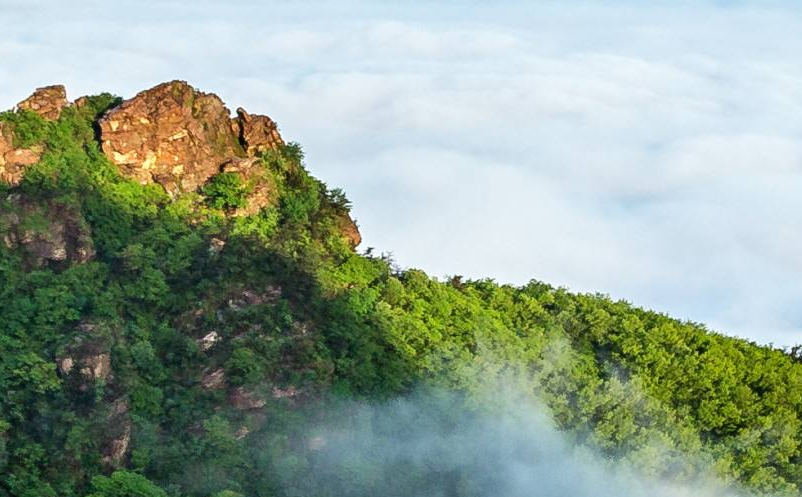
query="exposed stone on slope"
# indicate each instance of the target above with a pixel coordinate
(213, 380)
(179, 137)
(244, 400)
(46, 231)
(256, 133)
(171, 134)
(47, 101)
(91, 358)
(13, 161)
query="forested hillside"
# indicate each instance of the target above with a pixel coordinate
(170, 328)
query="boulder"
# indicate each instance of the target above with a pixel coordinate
(171, 134)
(87, 359)
(47, 102)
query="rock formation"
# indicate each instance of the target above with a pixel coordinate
(47, 102)
(14, 161)
(172, 135)
(180, 137)
(256, 133)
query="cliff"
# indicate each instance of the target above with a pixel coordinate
(171, 135)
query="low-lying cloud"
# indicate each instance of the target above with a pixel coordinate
(431, 444)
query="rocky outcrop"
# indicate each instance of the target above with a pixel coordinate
(14, 161)
(256, 133)
(47, 102)
(91, 358)
(46, 231)
(171, 134)
(179, 137)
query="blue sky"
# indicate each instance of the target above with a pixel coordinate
(650, 151)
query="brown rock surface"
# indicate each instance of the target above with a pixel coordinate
(256, 133)
(171, 134)
(179, 137)
(13, 161)
(47, 101)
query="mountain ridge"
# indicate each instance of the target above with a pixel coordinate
(180, 299)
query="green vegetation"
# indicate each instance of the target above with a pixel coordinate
(217, 357)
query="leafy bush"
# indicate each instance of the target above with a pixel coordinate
(227, 191)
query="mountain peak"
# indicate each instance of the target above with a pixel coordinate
(179, 137)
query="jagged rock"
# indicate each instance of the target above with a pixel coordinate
(242, 432)
(13, 161)
(47, 101)
(213, 380)
(171, 134)
(256, 133)
(245, 400)
(93, 366)
(46, 231)
(178, 137)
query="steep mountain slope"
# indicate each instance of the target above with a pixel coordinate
(179, 298)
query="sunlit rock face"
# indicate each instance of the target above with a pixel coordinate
(171, 134)
(47, 102)
(179, 137)
(13, 160)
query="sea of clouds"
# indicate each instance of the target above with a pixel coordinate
(646, 150)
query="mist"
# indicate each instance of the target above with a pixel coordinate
(435, 444)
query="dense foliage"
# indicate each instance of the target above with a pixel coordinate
(225, 335)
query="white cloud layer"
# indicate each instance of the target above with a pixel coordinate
(651, 152)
